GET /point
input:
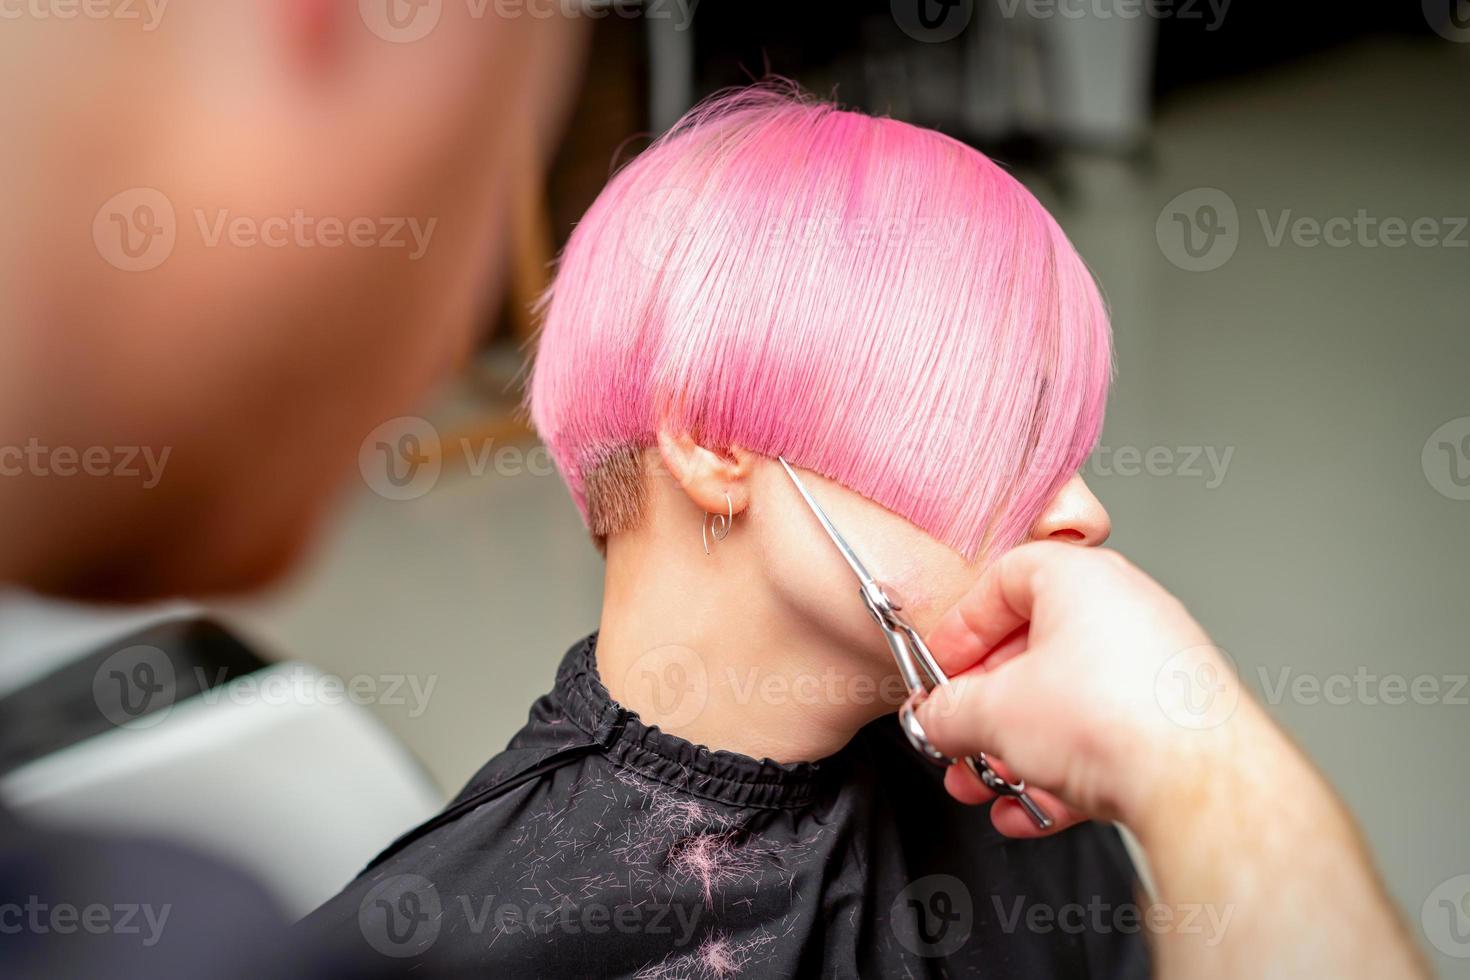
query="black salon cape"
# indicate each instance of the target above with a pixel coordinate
(595, 845)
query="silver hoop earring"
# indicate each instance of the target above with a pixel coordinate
(717, 526)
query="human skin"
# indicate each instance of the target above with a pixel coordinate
(1056, 650)
(259, 370)
(788, 663)
(1059, 655)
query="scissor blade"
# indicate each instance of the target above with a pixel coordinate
(852, 559)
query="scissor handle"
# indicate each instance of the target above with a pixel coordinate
(908, 720)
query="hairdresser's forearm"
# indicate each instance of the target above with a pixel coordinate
(1251, 831)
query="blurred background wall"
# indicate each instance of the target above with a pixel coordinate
(1275, 202)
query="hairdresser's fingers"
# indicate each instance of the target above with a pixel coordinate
(1011, 819)
(960, 781)
(966, 782)
(965, 786)
(974, 713)
(997, 606)
(1007, 650)
(1007, 815)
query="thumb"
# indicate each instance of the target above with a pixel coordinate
(972, 714)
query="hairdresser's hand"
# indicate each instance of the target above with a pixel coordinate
(1092, 681)
(1089, 680)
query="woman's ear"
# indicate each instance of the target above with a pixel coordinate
(707, 475)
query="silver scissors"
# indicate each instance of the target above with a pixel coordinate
(920, 671)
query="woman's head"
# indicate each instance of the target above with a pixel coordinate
(880, 304)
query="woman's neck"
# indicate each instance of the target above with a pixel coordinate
(696, 645)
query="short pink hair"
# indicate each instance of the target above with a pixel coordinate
(876, 302)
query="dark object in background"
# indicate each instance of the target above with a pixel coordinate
(122, 680)
(739, 40)
(1252, 36)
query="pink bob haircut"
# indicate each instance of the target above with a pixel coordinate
(876, 302)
